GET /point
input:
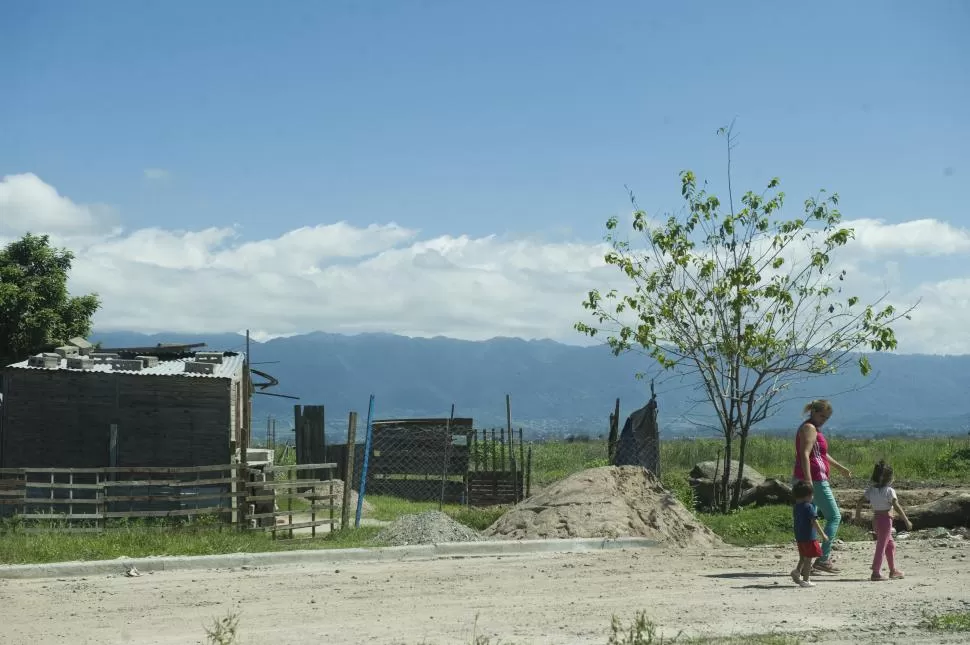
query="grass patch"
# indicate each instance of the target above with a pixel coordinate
(932, 459)
(643, 631)
(17, 547)
(760, 525)
(389, 508)
(555, 460)
(477, 518)
(224, 631)
(935, 459)
(954, 621)
(747, 639)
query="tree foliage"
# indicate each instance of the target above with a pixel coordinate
(36, 310)
(742, 299)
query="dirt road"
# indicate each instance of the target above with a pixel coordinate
(535, 599)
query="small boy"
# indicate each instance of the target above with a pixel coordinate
(807, 532)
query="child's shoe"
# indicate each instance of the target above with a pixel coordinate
(825, 565)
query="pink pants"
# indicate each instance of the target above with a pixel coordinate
(885, 545)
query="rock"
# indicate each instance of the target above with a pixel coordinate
(770, 491)
(706, 470)
(605, 502)
(947, 512)
(755, 488)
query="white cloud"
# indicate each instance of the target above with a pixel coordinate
(157, 174)
(342, 278)
(28, 204)
(915, 237)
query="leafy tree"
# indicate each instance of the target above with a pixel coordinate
(743, 300)
(36, 311)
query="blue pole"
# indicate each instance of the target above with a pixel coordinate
(363, 471)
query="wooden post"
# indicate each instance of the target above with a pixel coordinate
(313, 513)
(349, 470)
(242, 474)
(513, 467)
(474, 448)
(502, 448)
(614, 431)
(493, 449)
(521, 482)
(99, 503)
(330, 479)
(447, 450)
(528, 474)
(300, 438)
(289, 499)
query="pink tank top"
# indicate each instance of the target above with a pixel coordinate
(817, 459)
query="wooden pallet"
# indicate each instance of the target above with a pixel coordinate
(491, 488)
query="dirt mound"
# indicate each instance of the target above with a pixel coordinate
(612, 501)
(431, 527)
(338, 490)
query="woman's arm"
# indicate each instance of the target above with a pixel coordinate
(845, 471)
(808, 434)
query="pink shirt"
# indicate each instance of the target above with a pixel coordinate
(817, 459)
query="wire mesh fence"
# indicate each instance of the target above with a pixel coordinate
(420, 459)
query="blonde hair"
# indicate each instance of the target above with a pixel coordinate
(818, 405)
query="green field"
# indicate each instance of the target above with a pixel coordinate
(932, 460)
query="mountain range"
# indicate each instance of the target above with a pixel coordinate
(559, 389)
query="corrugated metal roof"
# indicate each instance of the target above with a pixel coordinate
(228, 368)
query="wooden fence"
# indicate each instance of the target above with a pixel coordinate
(95, 499)
(310, 503)
(500, 468)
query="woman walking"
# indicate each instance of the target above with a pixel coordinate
(812, 466)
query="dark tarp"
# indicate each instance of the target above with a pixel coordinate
(639, 443)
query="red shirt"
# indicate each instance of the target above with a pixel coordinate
(817, 459)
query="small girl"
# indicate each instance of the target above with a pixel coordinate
(882, 497)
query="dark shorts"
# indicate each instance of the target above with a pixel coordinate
(810, 549)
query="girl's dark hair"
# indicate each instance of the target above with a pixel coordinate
(882, 474)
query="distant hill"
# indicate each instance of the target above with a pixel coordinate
(562, 389)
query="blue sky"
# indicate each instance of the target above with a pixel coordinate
(523, 119)
(479, 117)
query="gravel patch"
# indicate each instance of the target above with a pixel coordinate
(430, 527)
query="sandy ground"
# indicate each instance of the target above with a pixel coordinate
(554, 599)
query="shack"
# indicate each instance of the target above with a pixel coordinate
(79, 407)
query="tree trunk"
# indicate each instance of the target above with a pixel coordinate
(726, 477)
(736, 493)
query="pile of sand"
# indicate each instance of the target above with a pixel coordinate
(338, 490)
(430, 527)
(608, 502)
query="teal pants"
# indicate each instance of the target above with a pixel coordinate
(829, 509)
